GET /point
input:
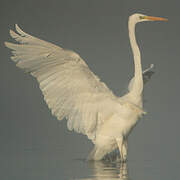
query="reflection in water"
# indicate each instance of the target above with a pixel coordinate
(103, 171)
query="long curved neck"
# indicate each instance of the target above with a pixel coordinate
(137, 87)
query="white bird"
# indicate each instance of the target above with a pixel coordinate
(72, 91)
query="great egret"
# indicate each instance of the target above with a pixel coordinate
(72, 91)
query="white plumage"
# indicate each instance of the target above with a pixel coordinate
(73, 92)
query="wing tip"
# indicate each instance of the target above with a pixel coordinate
(20, 31)
(13, 34)
(10, 45)
(6, 44)
(16, 26)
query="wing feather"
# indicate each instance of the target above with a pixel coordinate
(70, 89)
(147, 73)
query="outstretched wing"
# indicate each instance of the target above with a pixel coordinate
(147, 73)
(70, 89)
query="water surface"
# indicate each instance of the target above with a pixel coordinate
(41, 165)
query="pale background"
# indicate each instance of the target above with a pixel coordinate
(33, 143)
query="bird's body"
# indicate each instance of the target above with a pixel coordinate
(116, 127)
(73, 92)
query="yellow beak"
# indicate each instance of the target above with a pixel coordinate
(151, 18)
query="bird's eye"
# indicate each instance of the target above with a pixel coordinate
(141, 17)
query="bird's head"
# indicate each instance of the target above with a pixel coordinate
(141, 17)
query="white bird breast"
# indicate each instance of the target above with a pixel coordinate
(120, 124)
